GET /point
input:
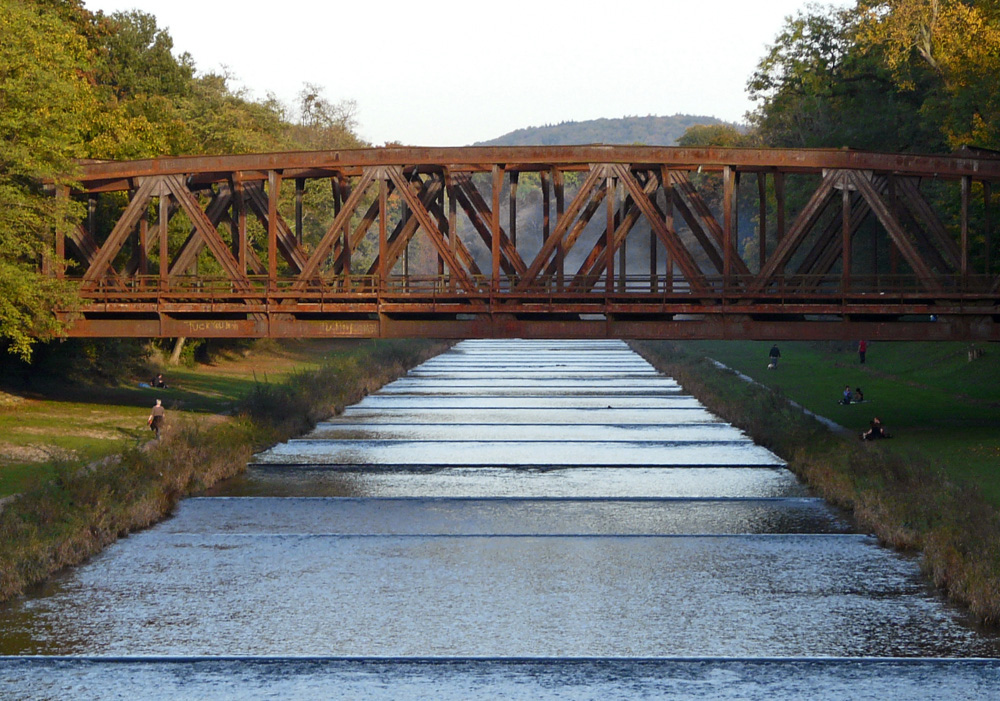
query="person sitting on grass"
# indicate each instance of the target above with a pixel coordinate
(876, 431)
(846, 399)
(859, 396)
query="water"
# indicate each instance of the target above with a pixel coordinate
(519, 519)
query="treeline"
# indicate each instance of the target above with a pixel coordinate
(885, 75)
(75, 84)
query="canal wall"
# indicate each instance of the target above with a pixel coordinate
(65, 521)
(906, 502)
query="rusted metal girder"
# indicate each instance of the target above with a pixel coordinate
(409, 241)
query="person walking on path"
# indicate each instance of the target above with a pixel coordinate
(156, 418)
(862, 349)
(773, 356)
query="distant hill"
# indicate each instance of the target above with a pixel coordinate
(649, 131)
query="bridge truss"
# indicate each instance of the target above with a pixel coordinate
(634, 242)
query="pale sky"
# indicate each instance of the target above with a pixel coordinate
(450, 73)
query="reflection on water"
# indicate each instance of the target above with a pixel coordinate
(515, 452)
(516, 680)
(551, 500)
(507, 482)
(533, 595)
(503, 516)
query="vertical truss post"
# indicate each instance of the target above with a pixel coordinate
(893, 250)
(273, 190)
(92, 216)
(495, 227)
(728, 225)
(966, 192)
(449, 184)
(609, 232)
(845, 225)
(668, 220)
(383, 208)
(341, 191)
(447, 230)
(515, 175)
(653, 263)
(143, 244)
(779, 206)
(559, 191)
(988, 223)
(162, 221)
(546, 206)
(239, 221)
(874, 240)
(762, 223)
(62, 202)
(300, 184)
(623, 247)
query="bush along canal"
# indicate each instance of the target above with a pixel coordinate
(515, 519)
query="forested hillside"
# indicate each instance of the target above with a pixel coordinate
(649, 131)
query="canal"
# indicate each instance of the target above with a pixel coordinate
(517, 519)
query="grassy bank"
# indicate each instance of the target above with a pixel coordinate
(70, 513)
(48, 422)
(936, 402)
(908, 502)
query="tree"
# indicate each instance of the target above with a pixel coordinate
(721, 135)
(952, 45)
(46, 102)
(815, 87)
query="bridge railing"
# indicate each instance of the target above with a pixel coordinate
(595, 288)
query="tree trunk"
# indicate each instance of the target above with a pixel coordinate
(175, 355)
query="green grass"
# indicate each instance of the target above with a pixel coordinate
(76, 424)
(934, 401)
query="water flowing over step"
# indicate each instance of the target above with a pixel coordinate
(516, 519)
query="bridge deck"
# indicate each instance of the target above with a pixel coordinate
(593, 241)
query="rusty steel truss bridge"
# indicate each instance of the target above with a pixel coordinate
(615, 241)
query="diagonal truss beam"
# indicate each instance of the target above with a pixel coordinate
(700, 220)
(589, 272)
(342, 255)
(288, 244)
(407, 227)
(194, 244)
(479, 214)
(189, 203)
(395, 175)
(84, 244)
(123, 228)
(827, 249)
(936, 234)
(596, 200)
(592, 180)
(672, 242)
(896, 231)
(793, 238)
(343, 217)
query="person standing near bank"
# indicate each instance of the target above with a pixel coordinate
(156, 418)
(862, 349)
(773, 356)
